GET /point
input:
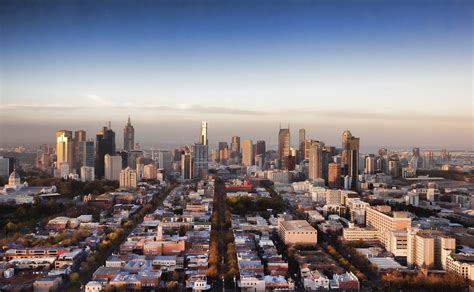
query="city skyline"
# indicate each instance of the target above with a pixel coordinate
(237, 145)
(330, 138)
(402, 66)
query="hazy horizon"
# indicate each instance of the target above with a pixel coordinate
(393, 73)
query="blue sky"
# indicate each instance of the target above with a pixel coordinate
(245, 66)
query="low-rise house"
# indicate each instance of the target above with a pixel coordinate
(346, 281)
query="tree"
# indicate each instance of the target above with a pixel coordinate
(212, 271)
(11, 227)
(74, 277)
(182, 230)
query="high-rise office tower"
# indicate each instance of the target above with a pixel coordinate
(176, 154)
(64, 148)
(165, 161)
(79, 138)
(284, 146)
(307, 144)
(199, 155)
(247, 153)
(301, 144)
(416, 152)
(370, 164)
(186, 164)
(128, 136)
(133, 157)
(87, 158)
(445, 156)
(416, 159)
(222, 152)
(105, 144)
(235, 144)
(4, 167)
(394, 168)
(215, 155)
(224, 155)
(334, 176)
(223, 145)
(261, 148)
(124, 155)
(350, 156)
(315, 160)
(428, 160)
(128, 179)
(326, 158)
(112, 166)
(203, 137)
(302, 138)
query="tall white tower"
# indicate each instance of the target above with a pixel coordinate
(203, 138)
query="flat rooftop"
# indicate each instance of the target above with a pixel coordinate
(297, 225)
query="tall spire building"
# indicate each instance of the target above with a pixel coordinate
(128, 136)
(203, 138)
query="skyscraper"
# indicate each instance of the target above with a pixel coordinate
(203, 137)
(283, 146)
(302, 138)
(112, 167)
(87, 158)
(428, 160)
(199, 155)
(247, 153)
(186, 164)
(128, 136)
(394, 168)
(326, 158)
(370, 164)
(64, 149)
(261, 148)
(132, 158)
(165, 161)
(128, 179)
(307, 143)
(105, 144)
(334, 176)
(350, 155)
(235, 144)
(223, 145)
(315, 160)
(79, 138)
(416, 161)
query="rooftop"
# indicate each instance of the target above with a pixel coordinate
(300, 225)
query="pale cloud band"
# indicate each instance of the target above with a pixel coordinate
(229, 111)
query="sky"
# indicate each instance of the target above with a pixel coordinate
(395, 73)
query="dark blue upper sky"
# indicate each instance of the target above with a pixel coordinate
(393, 57)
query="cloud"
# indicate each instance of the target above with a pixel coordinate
(16, 106)
(296, 113)
(100, 101)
